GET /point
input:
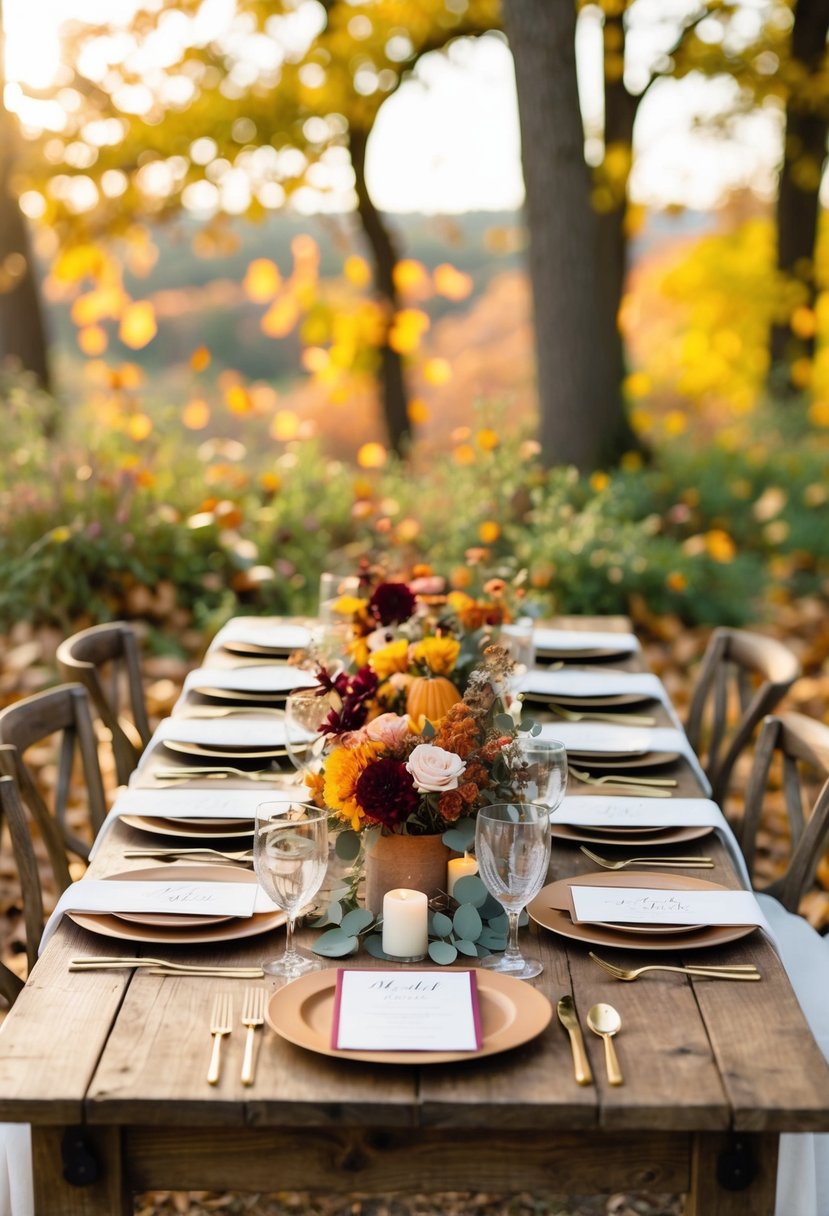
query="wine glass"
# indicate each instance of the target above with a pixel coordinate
(306, 710)
(512, 845)
(539, 770)
(290, 857)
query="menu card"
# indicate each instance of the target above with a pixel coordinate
(406, 1011)
(654, 906)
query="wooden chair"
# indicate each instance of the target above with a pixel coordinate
(11, 809)
(62, 712)
(743, 676)
(802, 744)
(105, 659)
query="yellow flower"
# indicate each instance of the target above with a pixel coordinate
(343, 769)
(389, 659)
(316, 788)
(348, 605)
(438, 654)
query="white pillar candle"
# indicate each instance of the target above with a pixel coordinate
(405, 923)
(459, 867)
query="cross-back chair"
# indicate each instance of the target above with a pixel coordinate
(802, 746)
(743, 676)
(61, 713)
(14, 815)
(105, 659)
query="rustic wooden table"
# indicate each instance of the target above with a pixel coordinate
(109, 1068)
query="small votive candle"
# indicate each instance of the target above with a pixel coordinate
(405, 924)
(459, 867)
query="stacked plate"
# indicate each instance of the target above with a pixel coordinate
(552, 908)
(254, 686)
(576, 646)
(251, 639)
(160, 928)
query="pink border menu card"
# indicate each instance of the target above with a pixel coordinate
(406, 1011)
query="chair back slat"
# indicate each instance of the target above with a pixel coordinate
(105, 659)
(803, 745)
(742, 677)
(13, 812)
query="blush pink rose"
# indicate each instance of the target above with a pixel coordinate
(389, 729)
(434, 770)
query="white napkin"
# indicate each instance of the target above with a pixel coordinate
(221, 803)
(254, 631)
(96, 895)
(242, 733)
(600, 738)
(617, 810)
(569, 683)
(272, 677)
(655, 906)
(583, 639)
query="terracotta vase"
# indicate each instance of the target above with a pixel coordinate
(417, 863)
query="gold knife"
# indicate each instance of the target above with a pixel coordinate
(566, 1011)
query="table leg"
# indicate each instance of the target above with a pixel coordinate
(718, 1157)
(101, 1150)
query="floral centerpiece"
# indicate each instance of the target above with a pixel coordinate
(413, 642)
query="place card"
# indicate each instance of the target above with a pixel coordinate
(587, 684)
(653, 906)
(272, 678)
(406, 1011)
(619, 811)
(242, 733)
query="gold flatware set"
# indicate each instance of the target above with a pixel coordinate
(685, 863)
(722, 971)
(199, 854)
(643, 787)
(161, 966)
(221, 1026)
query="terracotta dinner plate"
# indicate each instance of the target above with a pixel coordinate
(235, 694)
(551, 910)
(141, 927)
(252, 649)
(614, 762)
(511, 1012)
(640, 838)
(201, 829)
(214, 752)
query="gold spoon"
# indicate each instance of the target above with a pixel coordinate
(604, 1021)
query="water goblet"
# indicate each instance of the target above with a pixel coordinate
(512, 845)
(290, 857)
(540, 770)
(306, 710)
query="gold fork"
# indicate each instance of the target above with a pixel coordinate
(644, 787)
(727, 971)
(221, 1023)
(216, 774)
(685, 863)
(253, 1015)
(172, 854)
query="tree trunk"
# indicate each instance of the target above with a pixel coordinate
(393, 395)
(798, 201)
(22, 331)
(581, 416)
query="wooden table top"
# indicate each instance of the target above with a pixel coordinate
(124, 1048)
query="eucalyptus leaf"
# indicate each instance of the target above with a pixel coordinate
(536, 728)
(347, 845)
(490, 908)
(461, 837)
(493, 941)
(442, 953)
(524, 918)
(499, 924)
(440, 925)
(467, 922)
(470, 890)
(466, 947)
(374, 946)
(504, 723)
(357, 921)
(335, 944)
(428, 731)
(334, 912)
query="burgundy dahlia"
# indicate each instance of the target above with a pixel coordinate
(392, 603)
(386, 792)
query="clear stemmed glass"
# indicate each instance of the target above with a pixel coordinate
(290, 857)
(539, 770)
(512, 845)
(306, 710)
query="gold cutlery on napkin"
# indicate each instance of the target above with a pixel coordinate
(207, 854)
(643, 787)
(217, 773)
(229, 711)
(253, 1015)
(726, 971)
(593, 715)
(221, 1023)
(161, 966)
(566, 1011)
(684, 863)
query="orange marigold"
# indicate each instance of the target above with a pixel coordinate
(468, 792)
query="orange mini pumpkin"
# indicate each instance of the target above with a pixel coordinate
(430, 697)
